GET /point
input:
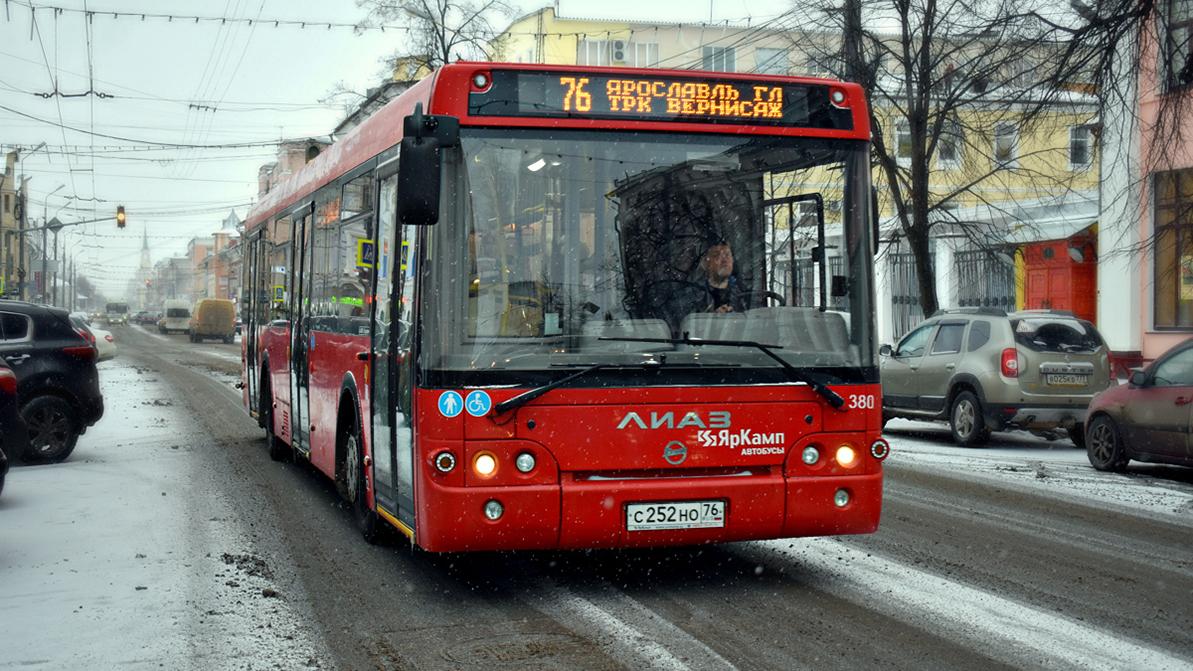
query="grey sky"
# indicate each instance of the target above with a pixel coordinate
(263, 81)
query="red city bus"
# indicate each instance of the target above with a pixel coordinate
(557, 307)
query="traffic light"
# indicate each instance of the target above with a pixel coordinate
(119, 216)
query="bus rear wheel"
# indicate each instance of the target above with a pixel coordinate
(353, 485)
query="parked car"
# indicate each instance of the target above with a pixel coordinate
(176, 317)
(105, 344)
(983, 370)
(1148, 419)
(14, 437)
(57, 381)
(213, 318)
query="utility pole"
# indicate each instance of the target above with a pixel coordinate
(22, 223)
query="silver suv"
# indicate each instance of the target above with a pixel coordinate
(983, 370)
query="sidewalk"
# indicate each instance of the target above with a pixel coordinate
(127, 556)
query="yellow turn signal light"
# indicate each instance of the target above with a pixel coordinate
(485, 465)
(846, 456)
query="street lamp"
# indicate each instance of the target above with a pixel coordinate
(44, 252)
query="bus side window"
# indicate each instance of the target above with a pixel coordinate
(279, 263)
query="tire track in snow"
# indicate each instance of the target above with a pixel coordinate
(1025, 635)
(627, 631)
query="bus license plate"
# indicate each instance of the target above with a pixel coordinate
(1066, 380)
(681, 515)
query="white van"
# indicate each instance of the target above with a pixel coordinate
(176, 317)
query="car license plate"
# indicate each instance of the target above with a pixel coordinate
(680, 515)
(1066, 380)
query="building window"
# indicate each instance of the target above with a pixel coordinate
(771, 61)
(592, 52)
(617, 52)
(646, 54)
(903, 143)
(1006, 144)
(823, 65)
(7, 203)
(1081, 144)
(1173, 285)
(948, 146)
(720, 59)
(1178, 17)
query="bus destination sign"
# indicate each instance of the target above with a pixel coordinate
(702, 100)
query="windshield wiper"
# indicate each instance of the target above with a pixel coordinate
(834, 399)
(528, 396)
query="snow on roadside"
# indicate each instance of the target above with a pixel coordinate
(1055, 468)
(127, 555)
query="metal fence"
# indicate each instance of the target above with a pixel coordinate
(905, 294)
(985, 279)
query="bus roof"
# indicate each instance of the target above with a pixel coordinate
(489, 94)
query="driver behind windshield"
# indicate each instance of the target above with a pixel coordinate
(723, 291)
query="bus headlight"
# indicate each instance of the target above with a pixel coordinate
(846, 456)
(494, 510)
(811, 455)
(841, 498)
(485, 465)
(445, 462)
(880, 449)
(525, 462)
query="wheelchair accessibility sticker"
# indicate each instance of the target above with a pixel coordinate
(450, 404)
(478, 403)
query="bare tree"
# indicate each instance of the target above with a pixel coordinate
(440, 31)
(963, 83)
(344, 96)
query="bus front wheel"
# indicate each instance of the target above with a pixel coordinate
(353, 485)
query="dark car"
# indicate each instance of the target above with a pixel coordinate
(13, 436)
(1147, 419)
(57, 381)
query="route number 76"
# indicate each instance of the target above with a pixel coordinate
(575, 93)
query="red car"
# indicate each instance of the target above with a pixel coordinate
(1148, 419)
(14, 437)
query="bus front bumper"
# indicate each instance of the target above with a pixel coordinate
(592, 513)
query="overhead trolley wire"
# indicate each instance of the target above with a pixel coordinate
(178, 145)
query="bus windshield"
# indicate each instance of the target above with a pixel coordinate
(116, 308)
(551, 243)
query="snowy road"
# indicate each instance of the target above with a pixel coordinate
(1015, 555)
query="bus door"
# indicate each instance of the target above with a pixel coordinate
(392, 377)
(300, 374)
(249, 309)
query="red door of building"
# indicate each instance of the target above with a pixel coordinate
(1061, 275)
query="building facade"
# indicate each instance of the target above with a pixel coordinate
(12, 202)
(1145, 292)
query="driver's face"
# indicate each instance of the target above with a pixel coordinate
(719, 262)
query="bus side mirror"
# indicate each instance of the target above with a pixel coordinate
(420, 165)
